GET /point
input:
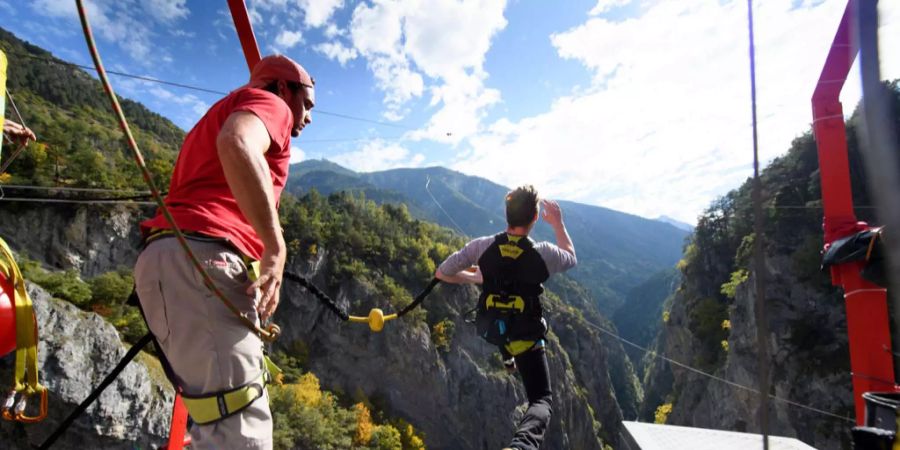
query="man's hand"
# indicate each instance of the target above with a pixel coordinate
(271, 271)
(242, 144)
(551, 213)
(472, 275)
(18, 132)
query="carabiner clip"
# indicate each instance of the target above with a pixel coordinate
(42, 414)
(13, 410)
(8, 405)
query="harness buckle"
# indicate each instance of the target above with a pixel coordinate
(508, 302)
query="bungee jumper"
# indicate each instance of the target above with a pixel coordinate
(511, 268)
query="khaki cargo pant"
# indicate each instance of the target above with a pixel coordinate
(208, 348)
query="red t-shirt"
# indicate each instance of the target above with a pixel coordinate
(199, 198)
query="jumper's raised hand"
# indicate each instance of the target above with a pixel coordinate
(551, 213)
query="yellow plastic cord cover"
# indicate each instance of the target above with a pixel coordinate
(26, 373)
(375, 319)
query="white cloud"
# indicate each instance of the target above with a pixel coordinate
(337, 52)
(166, 10)
(379, 155)
(297, 154)
(117, 22)
(317, 12)
(193, 107)
(287, 39)
(446, 42)
(59, 8)
(606, 5)
(332, 31)
(666, 126)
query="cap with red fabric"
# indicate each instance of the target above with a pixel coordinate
(278, 67)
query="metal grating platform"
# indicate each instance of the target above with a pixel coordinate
(649, 436)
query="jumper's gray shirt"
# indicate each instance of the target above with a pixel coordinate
(556, 259)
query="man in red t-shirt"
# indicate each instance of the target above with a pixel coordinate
(224, 195)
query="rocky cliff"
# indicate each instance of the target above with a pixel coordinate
(809, 363)
(76, 351)
(459, 396)
(711, 319)
(91, 240)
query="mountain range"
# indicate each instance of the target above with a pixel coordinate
(616, 251)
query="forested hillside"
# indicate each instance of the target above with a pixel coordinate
(79, 142)
(711, 323)
(640, 317)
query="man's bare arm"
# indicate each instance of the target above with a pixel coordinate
(242, 143)
(468, 276)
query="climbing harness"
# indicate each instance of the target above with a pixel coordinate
(376, 317)
(203, 409)
(213, 407)
(270, 333)
(509, 313)
(25, 382)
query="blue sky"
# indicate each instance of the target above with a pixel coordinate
(637, 105)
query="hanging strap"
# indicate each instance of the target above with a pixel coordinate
(25, 381)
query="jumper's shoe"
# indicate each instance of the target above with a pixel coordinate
(510, 365)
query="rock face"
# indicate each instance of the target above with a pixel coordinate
(809, 363)
(76, 351)
(90, 240)
(461, 398)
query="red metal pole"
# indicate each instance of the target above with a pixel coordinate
(866, 303)
(178, 427)
(245, 32)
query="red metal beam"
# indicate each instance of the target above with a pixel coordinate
(245, 32)
(178, 427)
(831, 136)
(866, 303)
